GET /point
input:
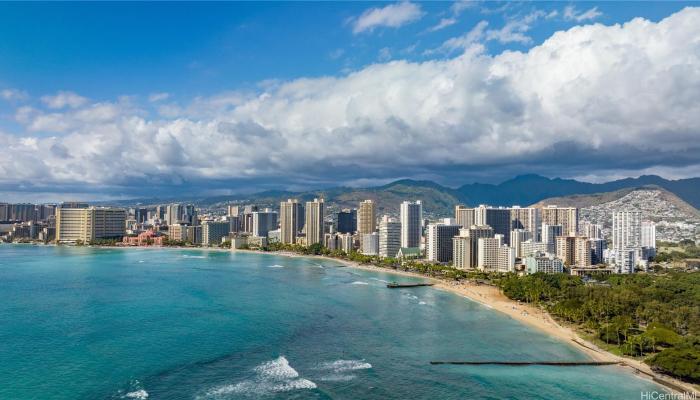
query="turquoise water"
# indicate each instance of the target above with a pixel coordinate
(82, 323)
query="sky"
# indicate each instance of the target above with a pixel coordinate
(120, 100)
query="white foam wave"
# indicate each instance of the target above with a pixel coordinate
(379, 280)
(345, 365)
(271, 377)
(189, 256)
(276, 266)
(422, 303)
(359, 283)
(341, 370)
(137, 394)
(142, 261)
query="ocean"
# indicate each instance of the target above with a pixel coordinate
(90, 323)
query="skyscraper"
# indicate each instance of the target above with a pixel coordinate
(549, 236)
(626, 230)
(567, 217)
(289, 221)
(465, 246)
(411, 221)
(347, 221)
(438, 243)
(366, 217)
(464, 216)
(389, 237)
(526, 218)
(648, 239)
(574, 250)
(314, 222)
(213, 231)
(496, 218)
(263, 222)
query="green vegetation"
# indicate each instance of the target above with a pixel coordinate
(677, 251)
(656, 316)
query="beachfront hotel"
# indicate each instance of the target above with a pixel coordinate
(89, 223)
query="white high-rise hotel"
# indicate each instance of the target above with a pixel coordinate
(411, 221)
(626, 230)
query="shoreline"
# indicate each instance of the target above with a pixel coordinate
(492, 298)
(488, 296)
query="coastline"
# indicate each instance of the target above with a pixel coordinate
(490, 297)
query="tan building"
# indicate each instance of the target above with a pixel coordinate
(314, 222)
(574, 250)
(366, 217)
(289, 221)
(464, 216)
(88, 224)
(567, 217)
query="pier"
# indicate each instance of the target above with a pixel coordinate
(525, 363)
(394, 285)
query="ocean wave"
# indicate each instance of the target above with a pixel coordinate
(271, 377)
(137, 394)
(276, 266)
(341, 370)
(379, 280)
(189, 256)
(422, 303)
(359, 283)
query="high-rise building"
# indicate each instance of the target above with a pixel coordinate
(597, 249)
(567, 217)
(517, 237)
(263, 222)
(87, 224)
(525, 218)
(626, 230)
(411, 222)
(370, 244)
(347, 221)
(193, 233)
(389, 237)
(290, 213)
(214, 231)
(496, 218)
(438, 244)
(487, 252)
(530, 248)
(366, 217)
(574, 250)
(590, 230)
(549, 235)
(177, 232)
(314, 222)
(462, 252)
(464, 216)
(648, 238)
(232, 211)
(173, 214)
(468, 257)
(4, 212)
(505, 259)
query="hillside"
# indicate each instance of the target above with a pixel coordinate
(439, 200)
(675, 219)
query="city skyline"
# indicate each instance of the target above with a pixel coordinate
(484, 91)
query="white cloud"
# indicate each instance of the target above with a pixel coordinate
(559, 105)
(572, 14)
(465, 41)
(384, 54)
(156, 97)
(13, 95)
(459, 6)
(392, 16)
(64, 99)
(444, 23)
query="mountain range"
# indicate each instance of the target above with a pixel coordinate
(439, 200)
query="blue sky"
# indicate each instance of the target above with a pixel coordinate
(173, 71)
